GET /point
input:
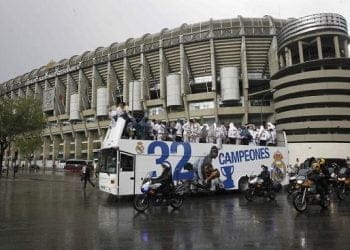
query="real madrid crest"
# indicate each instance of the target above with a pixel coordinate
(279, 169)
(139, 148)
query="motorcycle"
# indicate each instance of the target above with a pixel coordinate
(295, 181)
(343, 187)
(257, 189)
(291, 187)
(307, 195)
(152, 195)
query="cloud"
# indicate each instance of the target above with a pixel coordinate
(36, 31)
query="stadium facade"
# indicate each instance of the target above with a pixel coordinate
(295, 72)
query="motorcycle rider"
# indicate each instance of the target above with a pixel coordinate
(165, 179)
(211, 176)
(265, 175)
(320, 176)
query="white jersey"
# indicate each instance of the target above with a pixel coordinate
(178, 128)
(232, 132)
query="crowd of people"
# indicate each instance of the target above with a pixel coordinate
(192, 131)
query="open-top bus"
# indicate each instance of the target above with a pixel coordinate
(124, 162)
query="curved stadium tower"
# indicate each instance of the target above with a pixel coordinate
(294, 72)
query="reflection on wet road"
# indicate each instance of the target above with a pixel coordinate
(51, 211)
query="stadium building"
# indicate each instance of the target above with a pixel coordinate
(294, 72)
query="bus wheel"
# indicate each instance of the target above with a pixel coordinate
(243, 184)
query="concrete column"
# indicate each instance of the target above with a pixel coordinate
(67, 139)
(290, 61)
(29, 92)
(162, 74)
(78, 145)
(336, 46)
(184, 76)
(59, 104)
(213, 77)
(126, 78)
(69, 92)
(143, 73)
(288, 56)
(20, 92)
(46, 149)
(301, 52)
(319, 47)
(285, 52)
(346, 48)
(183, 69)
(112, 83)
(245, 81)
(97, 81)
(144, 78)
(83, 88)
(273, 56)
(38, 91)
(56, 146)
(212, 64)
(90, 145)
(282, 63)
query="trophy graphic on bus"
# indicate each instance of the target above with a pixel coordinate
(227, 171)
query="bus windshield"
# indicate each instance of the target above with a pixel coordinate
(108, 161)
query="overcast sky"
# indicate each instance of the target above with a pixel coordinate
(33, 32)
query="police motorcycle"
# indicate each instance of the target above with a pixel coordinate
(295, 180)
(259, 188)
(333, 170)
(152, 195)
(343, 186)
(292, 185)
(307, 193)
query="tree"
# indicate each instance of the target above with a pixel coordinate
(18, 118)
(28, 143)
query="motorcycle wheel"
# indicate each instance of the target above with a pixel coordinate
(289, 189)
(181, 189)
(341, 192)
(176, 201)
(272, 196)
(325, 203)
(141, 203)
(249, 194)
(298, 204)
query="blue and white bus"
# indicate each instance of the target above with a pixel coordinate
(125, 162)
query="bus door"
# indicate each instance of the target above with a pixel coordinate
(108, 171)
(126, 174)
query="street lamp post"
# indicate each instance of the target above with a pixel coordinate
(261, 102)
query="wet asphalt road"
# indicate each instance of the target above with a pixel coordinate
(50, 210)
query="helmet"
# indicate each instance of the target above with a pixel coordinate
(315, 166)
(321, 161)
(264, 166)
(166, 164)
(214, 148)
